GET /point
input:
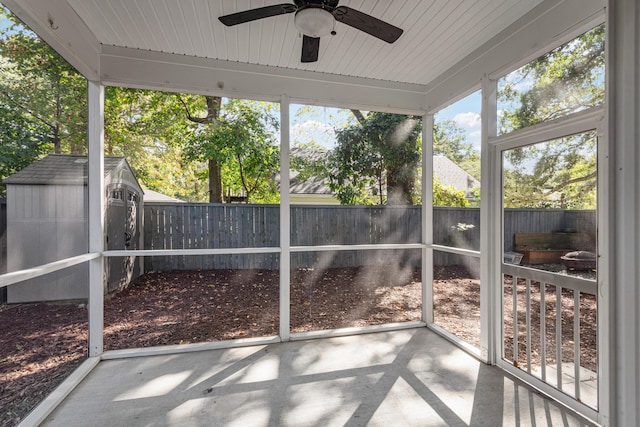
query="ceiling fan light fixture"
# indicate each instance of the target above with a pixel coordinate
(314, 21)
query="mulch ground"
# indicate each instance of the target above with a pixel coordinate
(43, 343)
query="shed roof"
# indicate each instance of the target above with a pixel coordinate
(62, 169)
(154, 196)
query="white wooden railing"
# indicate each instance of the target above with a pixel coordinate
(546, 279)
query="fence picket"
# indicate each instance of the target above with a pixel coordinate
(193, 225)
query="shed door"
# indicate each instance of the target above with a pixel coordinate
(123, 232)
(116, 239)
(132, 233)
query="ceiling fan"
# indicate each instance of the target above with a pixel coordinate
(316, 18)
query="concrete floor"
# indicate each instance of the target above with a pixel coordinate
(403, 378)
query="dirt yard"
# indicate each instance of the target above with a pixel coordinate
(42, 343)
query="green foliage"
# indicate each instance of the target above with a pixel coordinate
(42, 100)
(449, 140)
(557, 174)
(243, 142)
(309, 160)
(561, 173)
(164, 169)
(448, 196)
(19, 142)
(376, 160)
(150, 130)
(169, 139)
(44, 87)
(359, 159)
(566, 80)
(43, 109)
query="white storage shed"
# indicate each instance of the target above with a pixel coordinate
(47, 221)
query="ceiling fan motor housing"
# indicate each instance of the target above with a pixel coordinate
(314, 21)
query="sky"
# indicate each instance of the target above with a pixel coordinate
(315, 124)
(466, 114)
(310, 124)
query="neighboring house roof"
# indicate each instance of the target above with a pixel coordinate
(154, 196)
(62, 169)
(313, 184)
(445, 170)
(449, 173)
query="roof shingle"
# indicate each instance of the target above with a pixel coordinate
(60, 169)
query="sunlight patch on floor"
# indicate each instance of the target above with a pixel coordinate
(156, 387)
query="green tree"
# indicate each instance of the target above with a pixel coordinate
(448, 196)
(192, 146)
(377, 155)
(20, 144)
(43, 109)
(46, 90)
(557, 174)
(449, 140)
(42, 100)
(242, 143)
(569, 79)
(149, 129)
(204, 111)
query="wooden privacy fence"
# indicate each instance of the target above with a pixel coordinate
(355, 225)
(196, 225)
(200, 226)
(208, 226)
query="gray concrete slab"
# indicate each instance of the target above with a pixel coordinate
(403, 378)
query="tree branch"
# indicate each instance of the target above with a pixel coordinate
(27, 110)
(191, 118)
(241, 170)
(573, 181)
(359, 116)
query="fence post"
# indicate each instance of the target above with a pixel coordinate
(3, 236)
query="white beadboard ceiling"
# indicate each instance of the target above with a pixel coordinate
(437, 34)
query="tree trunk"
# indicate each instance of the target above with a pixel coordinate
(215, 182)
(215, 172)
(214, 169)
(400, 185)
(57, 146)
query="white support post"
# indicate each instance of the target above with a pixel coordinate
(285, 222)
(623, 139)
(95, 134)
(606, 274)
(427, 218)
(490, 232)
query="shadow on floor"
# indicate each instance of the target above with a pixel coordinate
(405, 378)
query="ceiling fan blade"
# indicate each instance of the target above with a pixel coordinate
(259, 13)
(310, 49)
(367, 23)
